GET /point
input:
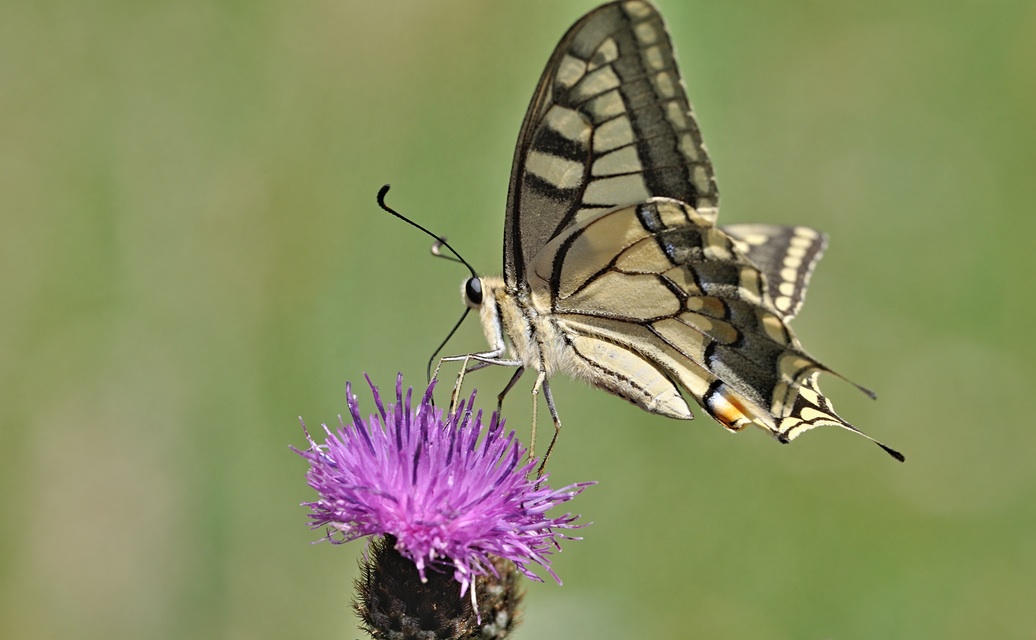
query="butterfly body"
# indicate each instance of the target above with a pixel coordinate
(615, 271)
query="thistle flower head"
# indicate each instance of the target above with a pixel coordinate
(452, 492)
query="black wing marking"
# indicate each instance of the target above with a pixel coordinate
(785, 255)
(609, 125)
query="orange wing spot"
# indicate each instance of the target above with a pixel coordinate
(728, 410)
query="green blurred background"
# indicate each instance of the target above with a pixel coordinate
(192, 257)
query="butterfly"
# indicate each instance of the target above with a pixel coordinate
(615, 271)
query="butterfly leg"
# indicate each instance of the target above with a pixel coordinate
(455, 396)
(514, 379)
(541, 383)
(481, 360)
(549, 397)
(460, 377)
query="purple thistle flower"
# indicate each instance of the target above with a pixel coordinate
(451, 491)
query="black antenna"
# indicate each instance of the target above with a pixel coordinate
(439, 243)
(439, 240)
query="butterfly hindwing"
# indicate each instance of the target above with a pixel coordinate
(785, 255)
(659, 289)
(608, 125)
(804, 408)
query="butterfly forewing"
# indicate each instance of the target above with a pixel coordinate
(609, 125)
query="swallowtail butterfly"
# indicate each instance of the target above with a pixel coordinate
(615, 271)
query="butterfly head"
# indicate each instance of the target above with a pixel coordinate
(471, 291)
(488, 296)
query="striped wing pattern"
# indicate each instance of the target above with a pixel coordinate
(654, 297)
(785, 255)
(609, 125)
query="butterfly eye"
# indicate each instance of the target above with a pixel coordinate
(473, 293)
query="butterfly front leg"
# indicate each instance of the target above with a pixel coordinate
(481, 361)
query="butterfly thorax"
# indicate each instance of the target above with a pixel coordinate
(512, 320)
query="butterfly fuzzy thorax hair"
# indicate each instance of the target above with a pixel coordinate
(615, 271)
(512, 324)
